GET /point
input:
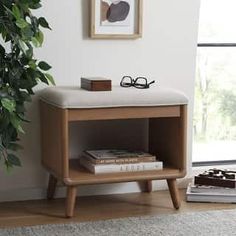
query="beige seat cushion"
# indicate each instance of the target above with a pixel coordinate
(75, 97)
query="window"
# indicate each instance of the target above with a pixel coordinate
(215, 89)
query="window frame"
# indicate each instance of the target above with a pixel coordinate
(214, 163)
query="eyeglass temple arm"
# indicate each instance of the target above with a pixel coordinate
(152, 82)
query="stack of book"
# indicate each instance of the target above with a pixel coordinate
(111, 161)
(214, 185)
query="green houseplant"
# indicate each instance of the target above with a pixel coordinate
(20, 72)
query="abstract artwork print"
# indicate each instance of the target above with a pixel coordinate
(115, 12)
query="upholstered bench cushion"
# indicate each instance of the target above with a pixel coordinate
(75, 97)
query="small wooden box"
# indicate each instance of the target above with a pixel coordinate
(96, 84)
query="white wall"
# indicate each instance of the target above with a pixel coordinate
(166, 53)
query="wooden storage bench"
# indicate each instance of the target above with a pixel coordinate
(166, 110)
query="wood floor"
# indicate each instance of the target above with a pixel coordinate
(94, 208)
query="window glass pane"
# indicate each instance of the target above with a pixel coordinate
(215, 105)
(217, 21)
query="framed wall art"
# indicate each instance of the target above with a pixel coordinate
(121, 19)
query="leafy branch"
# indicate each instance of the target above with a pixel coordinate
(20, 72)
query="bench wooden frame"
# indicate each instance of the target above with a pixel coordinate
(167, 139)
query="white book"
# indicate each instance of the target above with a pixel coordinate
(211, 189)
(114, 168)
(209, 197)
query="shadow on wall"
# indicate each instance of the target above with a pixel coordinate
(31, 174)
(85, 21)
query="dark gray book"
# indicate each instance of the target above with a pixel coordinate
(209, 197)
(112, 156)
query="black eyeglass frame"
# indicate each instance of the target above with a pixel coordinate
(134, 82)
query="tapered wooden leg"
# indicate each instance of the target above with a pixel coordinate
(52, 183)
(70, 200)
(148, 186)
(174, 192)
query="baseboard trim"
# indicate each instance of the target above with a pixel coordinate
(103, 189)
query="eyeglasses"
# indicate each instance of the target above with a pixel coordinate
(139, 82)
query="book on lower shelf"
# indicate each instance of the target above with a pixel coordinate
(113, 161)
(112, 156)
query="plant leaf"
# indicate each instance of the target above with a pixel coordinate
(16, 12)
(27, 33)
(40, 38)
(9, 104)
(50, 78)
(13, 160)
(8, 166)
(2, 50)
(32, 64)
(16, 122)
(22, 46)
(35, 6)
(43, 22)
(15, 147)
(44, 65)
(21, 23)
(35, 42)
(29, 53)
